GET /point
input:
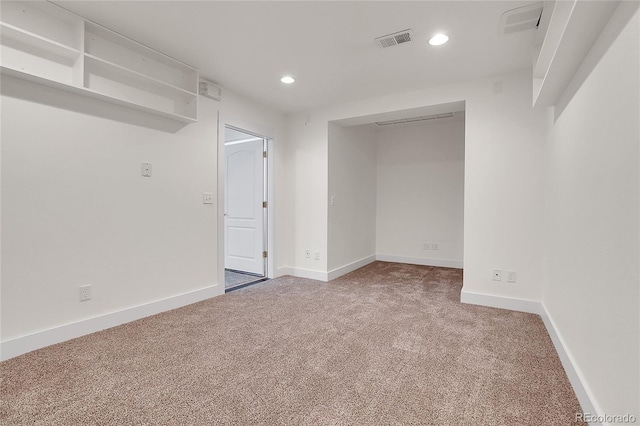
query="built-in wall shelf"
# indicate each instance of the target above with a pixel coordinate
(570, 28)
(46, 44)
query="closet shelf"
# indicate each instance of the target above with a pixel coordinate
(30, 40)
(93, 61)
(137, 106)
(572, 29)
(143, 78)
(93, 94)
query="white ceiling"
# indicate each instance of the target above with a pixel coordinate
(328, 46)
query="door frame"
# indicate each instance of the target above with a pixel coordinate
(259, 131)
(257, 146)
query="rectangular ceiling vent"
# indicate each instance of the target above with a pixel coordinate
(414, 119)
(394, 39)
(521, 19)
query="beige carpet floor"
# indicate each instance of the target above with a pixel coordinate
(389, 344)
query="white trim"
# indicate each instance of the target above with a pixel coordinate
(220, 174)
(308, 273)
(501, 302)
(444, 263)
(271, 210)
(282, 271)
(21, 345)
(263, 132)
(585, 397)
(583, 392)
(338, 272)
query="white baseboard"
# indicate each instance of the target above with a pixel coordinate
(335, 273)
(282, 271)
(501, 302)
(583, 392)
(443, 263)
(338, 272)
(309, 273)
(21, 345)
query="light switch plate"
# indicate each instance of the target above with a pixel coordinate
(146, 169)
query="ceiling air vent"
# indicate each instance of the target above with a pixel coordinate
(394, 39)
(520, 19)
(415, 119)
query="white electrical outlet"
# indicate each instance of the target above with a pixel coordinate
(307, 253)
(85, 292)
(207, 198)
(511, 276)
(497, 274)
(434, 246)
(317, 255)
(425, 246)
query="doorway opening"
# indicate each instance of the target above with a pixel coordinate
(245, 208)
(396, 188)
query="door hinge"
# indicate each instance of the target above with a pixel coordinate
(264, 204)
(264, 154)
(264, 254)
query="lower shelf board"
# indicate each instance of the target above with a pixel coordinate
(96, 95)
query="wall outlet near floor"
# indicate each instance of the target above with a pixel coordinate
(425, 246)
(434, 246)
(511, 276)
(307, 253)
(85, 292)
(207, 198)
(497, 274)
(317, 255)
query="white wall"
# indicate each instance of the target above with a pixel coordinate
(75, 209)
(592, 288)
(504, 142)
(352, 181)
(307, 172)
(420, 193)
(504, 192)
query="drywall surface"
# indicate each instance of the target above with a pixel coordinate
(77, 211)
(504, 192)
(307, 169)
(504, 142)
(352, 195)
(420, 191)
(592, 290)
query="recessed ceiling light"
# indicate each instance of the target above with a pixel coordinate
(438, 39)
(287, 79)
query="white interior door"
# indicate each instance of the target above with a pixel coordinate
(244, 212)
